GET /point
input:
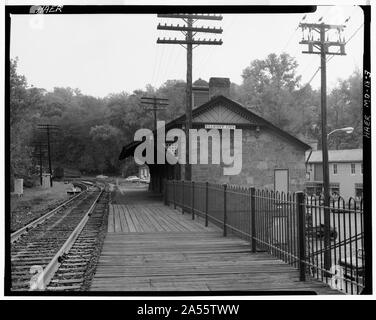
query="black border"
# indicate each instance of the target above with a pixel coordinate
(367, 163)
(134, 9)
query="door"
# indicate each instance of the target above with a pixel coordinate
(318, 172)
(281, 180)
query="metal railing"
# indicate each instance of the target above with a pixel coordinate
(288, 226)
(345, 252)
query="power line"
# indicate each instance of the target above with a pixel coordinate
(156, 106)
(226, 27)
(322, 47)
(330, 57)
(293, 34)
(190, 42)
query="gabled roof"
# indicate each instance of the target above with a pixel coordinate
(235, 107)
(244, 112)
(347, 155)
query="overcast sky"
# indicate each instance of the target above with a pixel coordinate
(102, 54)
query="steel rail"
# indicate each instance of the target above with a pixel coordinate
(15, 235)
(43, 278)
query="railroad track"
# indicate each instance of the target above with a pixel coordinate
(56, 252)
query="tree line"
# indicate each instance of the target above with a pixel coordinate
(93, 130)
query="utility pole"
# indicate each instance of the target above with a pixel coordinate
(39, 154)
(189, 30)
(156, 103)
(322, 47)
(49, 129)
(40, 164)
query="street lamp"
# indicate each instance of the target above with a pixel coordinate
(346, 129)
(325, 165)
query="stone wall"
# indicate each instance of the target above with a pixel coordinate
(261, 155)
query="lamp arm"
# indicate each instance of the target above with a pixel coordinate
(332, 132)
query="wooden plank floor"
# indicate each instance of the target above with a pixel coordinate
(152, 247)
(152, 218)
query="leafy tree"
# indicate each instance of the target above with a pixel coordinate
(106, 139)
(268, 86)
(23, 102)
(345, 110)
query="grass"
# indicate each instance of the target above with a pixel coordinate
(35, 202)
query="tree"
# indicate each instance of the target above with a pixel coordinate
(268, 86)
(22, 102)
(345, 110)
(106, 140)
(174, 91)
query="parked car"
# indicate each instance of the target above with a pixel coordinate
(132, 179)
(353, 266)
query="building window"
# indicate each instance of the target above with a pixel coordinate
(361, 168)
(353, 168)
(334, 190)
(335, 169)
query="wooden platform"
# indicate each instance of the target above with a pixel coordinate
(151, 218)
(152, 247)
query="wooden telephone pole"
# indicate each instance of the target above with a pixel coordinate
(39, 154)
(189, 30)
(49, 129)
(321, 45)
(156, 103)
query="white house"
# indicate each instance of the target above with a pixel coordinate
(345, 172)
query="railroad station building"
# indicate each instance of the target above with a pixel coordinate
(271, 158)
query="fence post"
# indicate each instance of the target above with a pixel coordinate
(174, 191)
(224, 210)
(206, 203)
(165, 192)
(193, 200)
(253, 219)
(301, 234)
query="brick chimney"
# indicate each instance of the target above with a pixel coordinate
(200, 93)
(219, 86)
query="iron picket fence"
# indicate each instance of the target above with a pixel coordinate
(289, 226)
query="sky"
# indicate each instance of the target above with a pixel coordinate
(102, 54)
